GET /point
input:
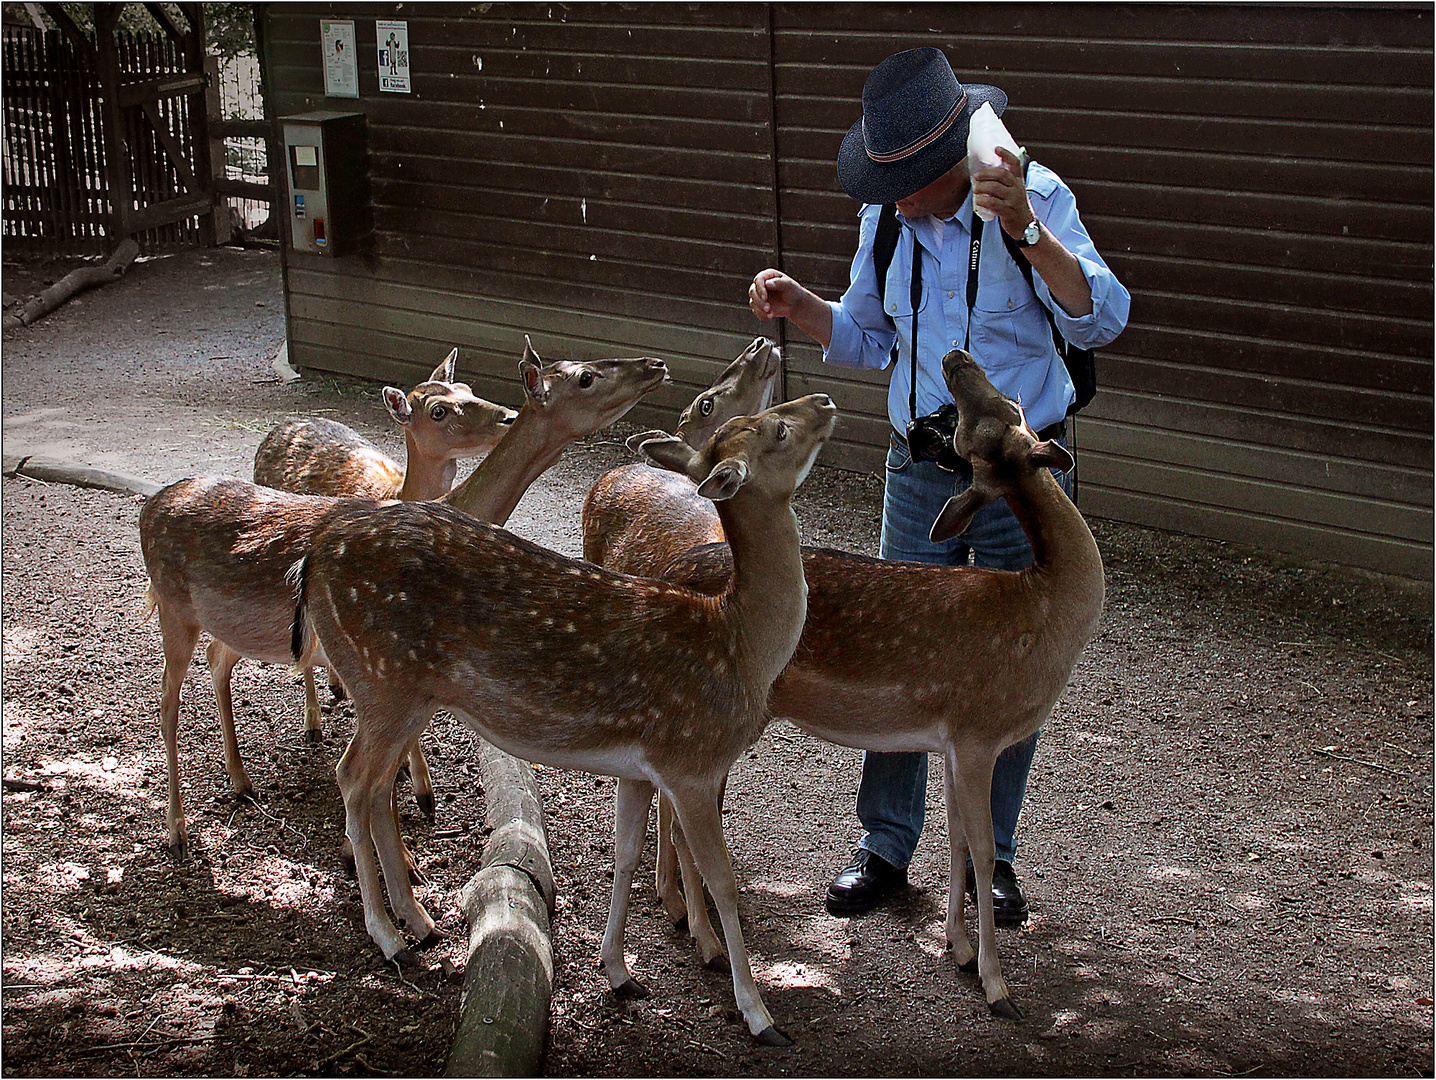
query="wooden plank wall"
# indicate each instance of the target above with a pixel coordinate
(608, 178)
(597, 176)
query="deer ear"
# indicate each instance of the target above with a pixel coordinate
(635, 442)
(445, 371)
(667, 451)
(956, 516)
(1052, 455)
(724, 481)
(397, 402)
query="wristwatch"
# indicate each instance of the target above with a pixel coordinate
(1030, 235)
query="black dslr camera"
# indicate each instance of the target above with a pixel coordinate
(929, 438)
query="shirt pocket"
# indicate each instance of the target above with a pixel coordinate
(897, 296)
(1008, 324)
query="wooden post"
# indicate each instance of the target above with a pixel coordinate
(213, 226)
(223, 227)
(117, 151)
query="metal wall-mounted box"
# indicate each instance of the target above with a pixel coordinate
(326, 172)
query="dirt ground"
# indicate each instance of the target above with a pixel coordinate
(1227, 842)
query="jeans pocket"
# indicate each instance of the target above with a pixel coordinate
(899, 457)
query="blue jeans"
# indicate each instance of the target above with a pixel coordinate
(892, 795)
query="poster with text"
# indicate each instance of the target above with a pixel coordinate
(341, 58)
(393, 40)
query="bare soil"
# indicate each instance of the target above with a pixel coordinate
(1227, 841)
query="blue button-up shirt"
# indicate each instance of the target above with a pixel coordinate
(1010, 335)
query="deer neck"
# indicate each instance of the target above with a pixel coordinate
(528, 449)
(767, 601)
(425, 477)
(1062, 544)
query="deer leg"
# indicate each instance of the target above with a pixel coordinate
(957, 939)
(336, 688)
(665, 870)
(630, 828)
(698, 813)
(709, 947)
(974, 794)
(419, 778)
(367, 783)
(399, 871)
(313, 724)
(179, 643)
(221, 659)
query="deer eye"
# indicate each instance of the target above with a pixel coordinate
(782, 432)
(586, 379)
(706, 406)
(438, 412)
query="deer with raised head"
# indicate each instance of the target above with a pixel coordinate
(217, 549)
(551, 659)
(616, 508)
(442, 421)
(959, 661)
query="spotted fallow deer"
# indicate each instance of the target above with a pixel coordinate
(908, 656)
(554, 660)
(217, 549)
(442, 422)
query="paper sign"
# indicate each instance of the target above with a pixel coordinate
(341, 58)
(393, 38)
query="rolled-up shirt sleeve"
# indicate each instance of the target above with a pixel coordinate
(863, 335)
(1056, 207)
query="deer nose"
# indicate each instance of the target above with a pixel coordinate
(657, 365)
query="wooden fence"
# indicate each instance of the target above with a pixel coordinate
(60, 184)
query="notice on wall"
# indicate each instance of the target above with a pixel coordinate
(341, 58)
(393, 40)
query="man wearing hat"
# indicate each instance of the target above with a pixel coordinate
(910, 148)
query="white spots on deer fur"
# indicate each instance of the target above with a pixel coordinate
(583, 209)
(478, 63)
(353, 594)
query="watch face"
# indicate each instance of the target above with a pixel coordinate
(1031, 234)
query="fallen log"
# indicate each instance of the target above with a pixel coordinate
(55, 471)
(73, 283)
(508, 979)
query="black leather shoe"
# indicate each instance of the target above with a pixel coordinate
(866, 882)
(1009, 906)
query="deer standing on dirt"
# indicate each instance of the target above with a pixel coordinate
(554, 660)
(217, 549)
(442, 422)
(959, 661)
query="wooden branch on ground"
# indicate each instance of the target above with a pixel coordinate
(54, 471)
(508, 979)
(73, 283)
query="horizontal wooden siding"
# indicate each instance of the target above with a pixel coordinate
(609, 177)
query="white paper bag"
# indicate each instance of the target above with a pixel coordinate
(984, 136)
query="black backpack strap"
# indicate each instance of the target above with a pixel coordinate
(884, 244)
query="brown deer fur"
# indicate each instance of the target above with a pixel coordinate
(217, 549)
(555, 660)
(916, 657)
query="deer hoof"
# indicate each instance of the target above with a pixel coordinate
(719, 964)
(337, 691)
(403, 958)
(436, 937)
(771, 1036)
(632, 989)
(314, 735)
(426, 804)
(416, 877)
(681, 923)
(1006, 1008)
(179, 850)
